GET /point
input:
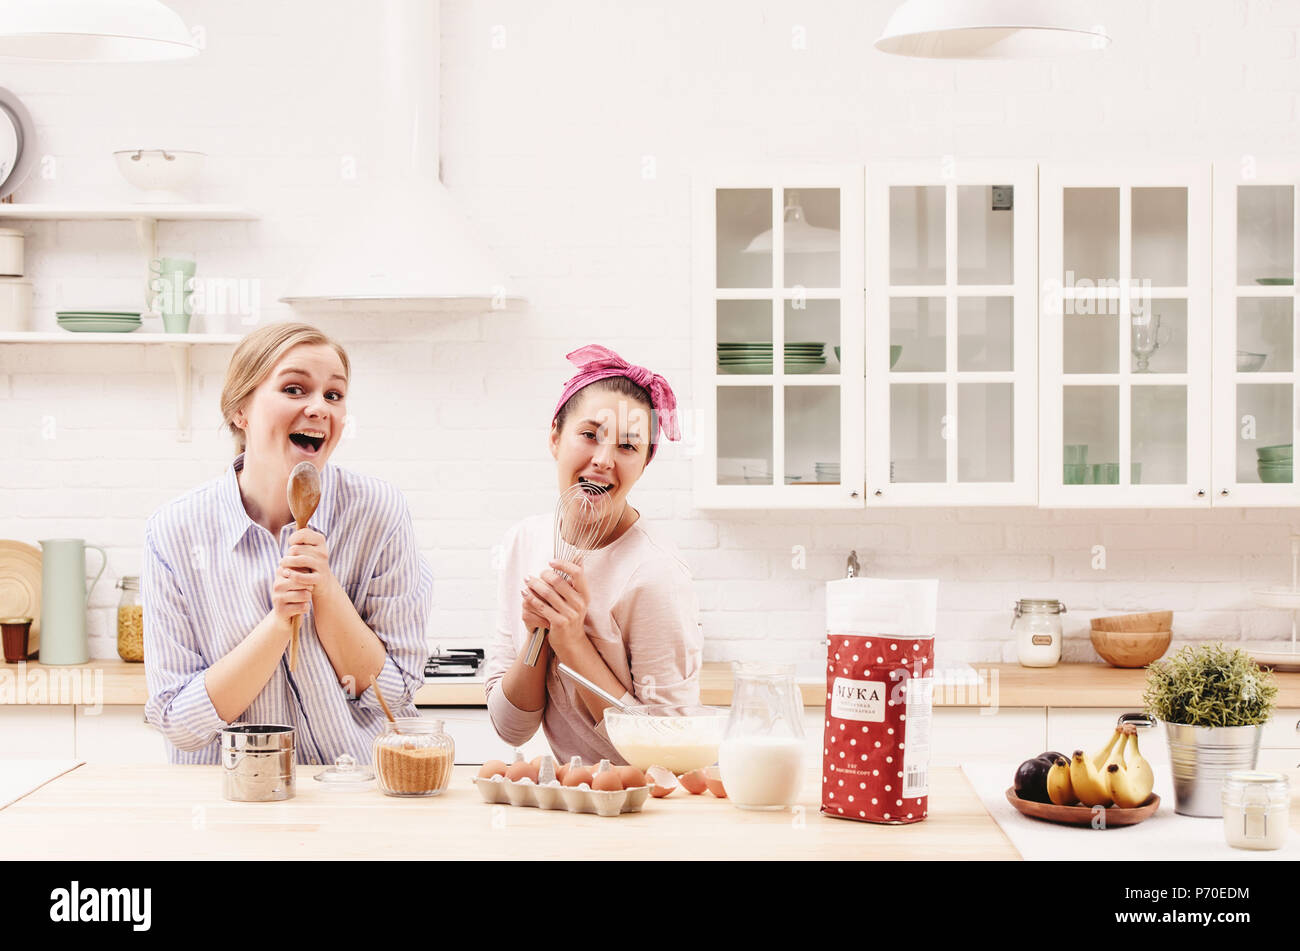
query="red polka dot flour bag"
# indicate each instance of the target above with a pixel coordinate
(879, 693)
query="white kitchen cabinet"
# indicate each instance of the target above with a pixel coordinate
(951, 359)
(37, 732)
(118, 735)
(965, 734)
(1125, 336)
(1256, 258)
(778, 299)
(476, 741)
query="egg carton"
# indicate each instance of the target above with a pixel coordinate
(498, 790)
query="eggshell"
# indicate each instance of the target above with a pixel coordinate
(694, 782)
(715, 787)
(493, 767)
(662, 781)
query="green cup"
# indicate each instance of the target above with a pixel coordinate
(1076, 455)
(1105, 473)
(170, 285)
(1075, 474)
(176, 323)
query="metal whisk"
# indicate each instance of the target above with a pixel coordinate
(582, 520)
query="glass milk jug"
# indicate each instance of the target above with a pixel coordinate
(762, 755)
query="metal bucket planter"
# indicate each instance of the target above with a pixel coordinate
(1202, 757)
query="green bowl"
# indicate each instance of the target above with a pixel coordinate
(894, 353)
(1275, 475)
(1274, 453)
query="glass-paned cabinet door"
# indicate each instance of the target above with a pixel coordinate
(951, 352)
(778, 350)
(1124, 336)
(1256, 247)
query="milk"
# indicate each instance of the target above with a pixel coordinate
(762, 772)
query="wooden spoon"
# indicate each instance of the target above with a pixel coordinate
(304, 496)
(383, 703)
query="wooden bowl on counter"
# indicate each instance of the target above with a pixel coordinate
(1083, 815)
(1131, 648)
(1136, 623)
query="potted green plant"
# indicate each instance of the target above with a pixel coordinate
(1214, 701)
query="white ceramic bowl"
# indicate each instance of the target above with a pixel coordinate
(1248, 362)
(163, 174)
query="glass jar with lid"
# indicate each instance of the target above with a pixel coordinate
(1256, 809)
(414, 757)
(1037, 626)
(130, 620)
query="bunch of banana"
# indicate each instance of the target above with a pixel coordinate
(1107, 777)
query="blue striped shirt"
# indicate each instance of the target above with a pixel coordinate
(206, 583)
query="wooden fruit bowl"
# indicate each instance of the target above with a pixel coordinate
(1146, 621)
(1083, 815)
(1131, 648)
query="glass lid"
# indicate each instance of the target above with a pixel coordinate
(346, 772)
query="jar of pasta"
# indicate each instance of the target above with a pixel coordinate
(413, 757)
(130, 620)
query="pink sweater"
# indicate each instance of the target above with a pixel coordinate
(642, 618)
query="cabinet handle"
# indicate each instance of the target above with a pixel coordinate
(1200, 493)
(853, 495)
(1224, 493)
(879, 492)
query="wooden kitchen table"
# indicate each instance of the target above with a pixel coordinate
(176, 812)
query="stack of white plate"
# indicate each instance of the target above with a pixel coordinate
(827, 471)
(98, 321)
(756, 357)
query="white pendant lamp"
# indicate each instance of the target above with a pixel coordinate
(92, 31)
(801, 236)
(991, 29)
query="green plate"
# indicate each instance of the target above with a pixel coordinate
(98, 326)
(97, 313)
(1275, 281)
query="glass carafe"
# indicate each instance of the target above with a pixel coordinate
(762, 755)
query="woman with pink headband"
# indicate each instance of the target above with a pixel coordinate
(626, 619)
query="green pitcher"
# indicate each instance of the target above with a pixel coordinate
(64, 598)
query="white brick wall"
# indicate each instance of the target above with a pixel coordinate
(543, 143)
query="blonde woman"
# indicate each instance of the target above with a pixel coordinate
(226, 570)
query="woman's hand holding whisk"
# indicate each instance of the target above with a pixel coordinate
(558, 603)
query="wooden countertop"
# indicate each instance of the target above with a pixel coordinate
(176, 812)
(1000, 685)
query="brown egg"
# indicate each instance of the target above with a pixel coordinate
(518, 770)
(632, 777)
(694, 782)
(576, 775)
(607, 781)
(662, 781)
(493, 767)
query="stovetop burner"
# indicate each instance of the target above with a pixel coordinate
(457, 662)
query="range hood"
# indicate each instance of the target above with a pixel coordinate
(397, 238)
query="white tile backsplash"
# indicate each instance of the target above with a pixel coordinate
(550, 111)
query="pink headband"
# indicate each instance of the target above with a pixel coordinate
(595, 362)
